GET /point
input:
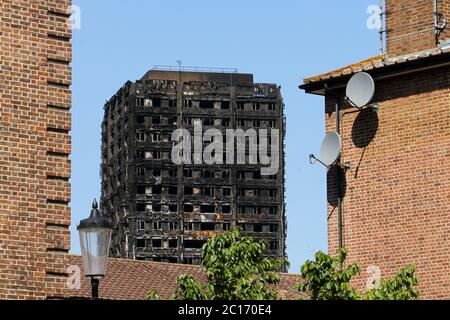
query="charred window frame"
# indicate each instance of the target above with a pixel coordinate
(157, 243)
(157, 225)
(140, 243)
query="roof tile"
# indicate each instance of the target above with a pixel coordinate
(132, 279)
(375, 62)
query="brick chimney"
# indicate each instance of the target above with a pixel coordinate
(410, 25)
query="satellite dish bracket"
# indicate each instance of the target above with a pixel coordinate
(312, 156)
(344, 165)
(373, 106)
(350, 102)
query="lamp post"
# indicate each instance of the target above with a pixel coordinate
(95, 238)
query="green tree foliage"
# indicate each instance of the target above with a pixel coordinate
(327, 278)
(236, 269)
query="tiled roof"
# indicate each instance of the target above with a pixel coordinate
(375, 62)
(132, 279)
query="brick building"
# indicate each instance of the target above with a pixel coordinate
(397, 192)
(35, 100)
(165, 211)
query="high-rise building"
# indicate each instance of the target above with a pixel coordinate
(166, 210)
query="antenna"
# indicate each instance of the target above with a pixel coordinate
(359, 93)
(179, 62)
(360, 90)
(382, 29)
(329, 150)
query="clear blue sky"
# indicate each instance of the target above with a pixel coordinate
(278, 41)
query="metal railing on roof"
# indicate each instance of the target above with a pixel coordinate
(194, 69)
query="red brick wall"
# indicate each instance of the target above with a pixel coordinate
(410, 26)
(397, 193)
(35, 121)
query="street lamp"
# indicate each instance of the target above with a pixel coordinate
(95, 238)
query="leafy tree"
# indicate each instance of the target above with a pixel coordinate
(236, 269)
(327, 278)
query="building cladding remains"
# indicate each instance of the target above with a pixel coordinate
(166, 212)
(397, 194)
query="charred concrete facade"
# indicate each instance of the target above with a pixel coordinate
(166, 212)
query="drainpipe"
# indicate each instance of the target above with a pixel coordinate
(339, 191)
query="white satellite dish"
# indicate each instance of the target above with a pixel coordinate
(360, 89)
(330, 148)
